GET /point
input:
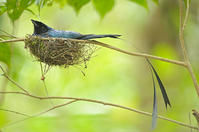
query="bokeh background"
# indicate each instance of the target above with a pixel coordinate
(110, 76)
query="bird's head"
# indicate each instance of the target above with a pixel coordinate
(39, 27)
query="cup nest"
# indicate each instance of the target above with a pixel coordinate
(59, 51)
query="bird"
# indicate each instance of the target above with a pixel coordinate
(41, 29)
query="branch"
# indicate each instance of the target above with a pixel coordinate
(109, 47)
(13, 40)
(74, 99)
(15, 112)
(12, 81)
(196, 115)
(57, 106)
(138, 53)
(182, 43)
(36, 115)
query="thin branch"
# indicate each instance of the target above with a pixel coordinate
(138, 53)
(36, 115)
(181, 29)
(196, 115)
(44, 83)
(181, 37)
(8, 34)
(186, 16)
(104, 103)
(110, 47)
(57, 106)
(12, 81)
(15, 112)
(13, 40)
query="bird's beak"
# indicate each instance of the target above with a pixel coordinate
(34, 22)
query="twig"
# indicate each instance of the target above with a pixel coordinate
(104, 103)
(186, 16)
(138, 53)
(57, 106)
(181, 37)
(110, 47)
(44, 83)
(196, 115)
(15, 112)
(12, 40)
(36, 115)
(12, 81)
(10, 35)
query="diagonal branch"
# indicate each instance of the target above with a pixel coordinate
(57, 106)
(36, 115)
(12, 81)
(15, 112)
(138, 53)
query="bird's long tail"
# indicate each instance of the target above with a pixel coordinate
(93, 36)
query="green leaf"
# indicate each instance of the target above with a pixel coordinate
(15, 8)
(29, 10)
(103, 6)
(5, 54)
(142, 2)
(77, 4)
(41, 3)
(2, 8)
(156, 1)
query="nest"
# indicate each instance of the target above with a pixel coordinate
(59, 51)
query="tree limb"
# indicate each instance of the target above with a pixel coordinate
(74, 99)
(182, 43)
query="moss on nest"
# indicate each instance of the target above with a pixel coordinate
(59, 52)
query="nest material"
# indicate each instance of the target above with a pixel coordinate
(59, 52)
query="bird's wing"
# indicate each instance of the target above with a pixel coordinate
(64, 34)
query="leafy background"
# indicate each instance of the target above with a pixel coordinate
(148, 26)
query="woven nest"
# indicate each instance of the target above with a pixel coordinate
(59, 52)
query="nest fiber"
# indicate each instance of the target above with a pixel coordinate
(59, 51)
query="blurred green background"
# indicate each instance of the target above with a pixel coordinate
(110, 76)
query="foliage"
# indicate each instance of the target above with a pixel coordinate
(103, 6)
(77, 5)
(141, 2)
(15, 8)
